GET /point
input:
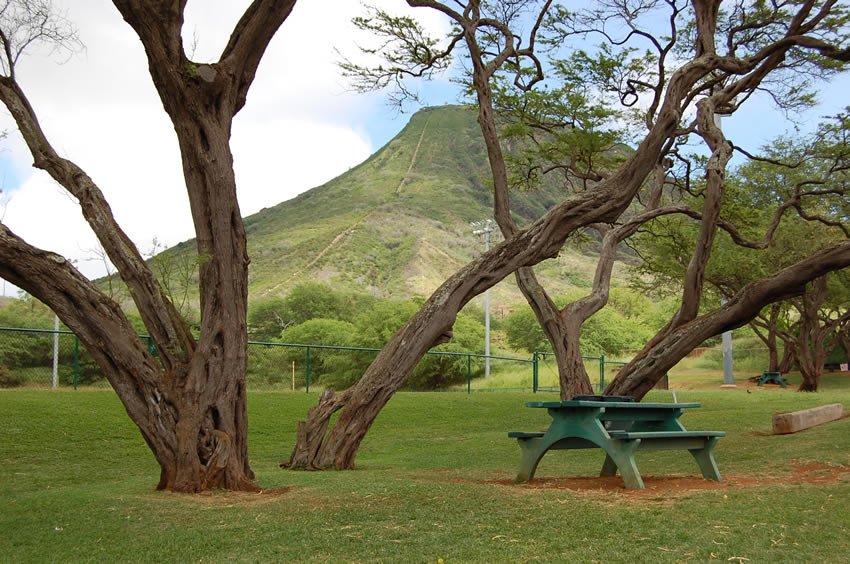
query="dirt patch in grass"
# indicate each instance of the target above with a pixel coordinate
(223, 498)
(653, 484)
(802, 472)
(812, 472)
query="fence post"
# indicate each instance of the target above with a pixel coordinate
(307, 371)
(601, 372)
(55, 351)
(468, 374)
(76, 361)
(535, 372)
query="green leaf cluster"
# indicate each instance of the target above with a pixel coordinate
(626, 323)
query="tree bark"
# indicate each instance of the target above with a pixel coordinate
(645, 370)
(694, 281)
(770, 339)
(812, 343)
(562, 327)
(788, 358)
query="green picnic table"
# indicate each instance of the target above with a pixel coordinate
(772, 378)
(620, 429)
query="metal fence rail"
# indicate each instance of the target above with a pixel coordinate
(46, 358)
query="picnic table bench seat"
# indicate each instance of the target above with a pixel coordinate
(620, 429)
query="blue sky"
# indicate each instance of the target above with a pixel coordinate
(301, 126)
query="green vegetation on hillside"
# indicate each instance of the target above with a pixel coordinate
(397, 225)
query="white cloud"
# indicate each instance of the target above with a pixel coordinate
(277, 160)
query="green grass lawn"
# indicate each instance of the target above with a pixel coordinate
(76, 484)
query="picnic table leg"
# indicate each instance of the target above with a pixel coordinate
(705, 458)
(621, 455)
(609, 467)
(532, 451)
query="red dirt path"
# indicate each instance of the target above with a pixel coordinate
(801, 472)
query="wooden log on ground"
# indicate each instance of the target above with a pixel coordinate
(784, 423)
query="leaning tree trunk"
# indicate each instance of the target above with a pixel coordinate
(317, 447)
(641, 374)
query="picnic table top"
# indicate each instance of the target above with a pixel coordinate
(612, 404)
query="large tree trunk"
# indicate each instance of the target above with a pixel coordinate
(645, 370)
(201, 101)
(189, 430)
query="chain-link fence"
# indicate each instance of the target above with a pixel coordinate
(56, 359)
(43, 359)
(38, 358)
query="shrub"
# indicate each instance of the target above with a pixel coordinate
(9, 380)
(324, 364)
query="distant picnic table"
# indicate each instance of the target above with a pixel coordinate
(771, 378)
(620, 428)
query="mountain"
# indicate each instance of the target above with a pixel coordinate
(397, 225)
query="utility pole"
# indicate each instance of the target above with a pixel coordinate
(728, 375)
(485, 228)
